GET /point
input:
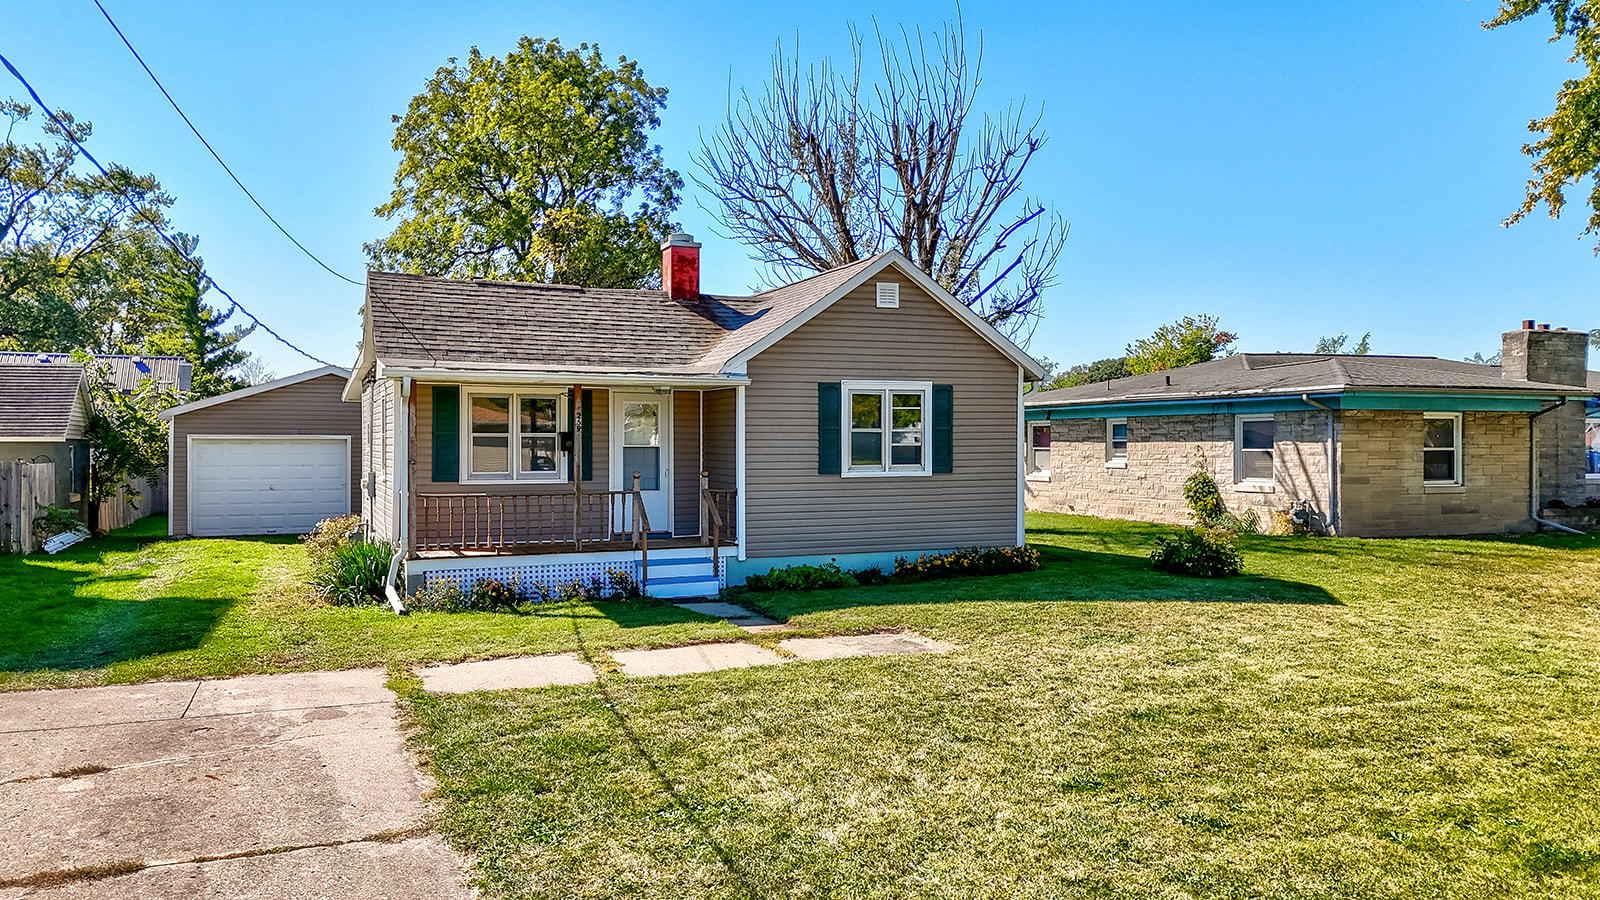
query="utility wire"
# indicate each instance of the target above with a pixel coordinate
(156, 227)
(214, 154)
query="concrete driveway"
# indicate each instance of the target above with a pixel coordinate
(270, 786)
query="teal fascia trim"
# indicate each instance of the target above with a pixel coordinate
(740, 569)
(1133, 408)
(1442, 402)
(1381, 400)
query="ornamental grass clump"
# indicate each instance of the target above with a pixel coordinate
(1201, 552)
(354, 573)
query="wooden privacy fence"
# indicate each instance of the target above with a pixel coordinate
(25, 489)
(116, 512)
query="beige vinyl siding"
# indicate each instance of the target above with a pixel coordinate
(378, 435)
(309, 407)
(686, 462)
(422, 453)
(793, 511)
(721, 447)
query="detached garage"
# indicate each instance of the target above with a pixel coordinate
(274, 458)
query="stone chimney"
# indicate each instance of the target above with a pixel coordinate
(1540, 353)
(680, 267)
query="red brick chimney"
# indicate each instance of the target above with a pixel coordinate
(680, 267)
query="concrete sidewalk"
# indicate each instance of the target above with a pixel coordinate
(300, 783)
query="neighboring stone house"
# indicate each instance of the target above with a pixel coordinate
(1371, 445)
(537, 432)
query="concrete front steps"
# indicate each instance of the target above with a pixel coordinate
(681, 575)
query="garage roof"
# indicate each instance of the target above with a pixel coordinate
(253, 390)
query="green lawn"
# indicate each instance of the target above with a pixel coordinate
(1353, 719)
(135, 607)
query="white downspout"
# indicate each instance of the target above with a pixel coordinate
(739, 452)
(402, 487)
(1333, 468)
(1533, 471)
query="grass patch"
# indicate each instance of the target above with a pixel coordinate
(1373, 719)
(134, 606)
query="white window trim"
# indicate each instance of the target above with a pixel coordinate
(1112, 460)
(1586, 475)
(1456, 479)
(563, 460)
(1044, 473)
(1238, 449)
(925, 388)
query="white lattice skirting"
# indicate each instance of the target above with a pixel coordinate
(555, 569)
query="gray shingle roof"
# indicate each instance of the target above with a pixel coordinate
(126, 371)
(37, 401)
(1293, 373)
(443, 321)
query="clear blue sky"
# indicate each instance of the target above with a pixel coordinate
(1297, 168)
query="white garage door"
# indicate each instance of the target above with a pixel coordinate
(266, 485)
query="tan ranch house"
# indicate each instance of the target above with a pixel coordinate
(1368, 446)
(537, 432)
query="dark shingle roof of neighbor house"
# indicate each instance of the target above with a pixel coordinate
(36, 401)
(126, 371)
(1295, 373)
(427, 320)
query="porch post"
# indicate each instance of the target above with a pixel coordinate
(575, 465)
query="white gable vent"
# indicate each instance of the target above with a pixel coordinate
(888, 295)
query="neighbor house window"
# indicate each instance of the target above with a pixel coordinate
(1253, 441)
(1039, 452)
(1117, 443)
(1591, 440)
(887, 425)
(512, 436)
(1441, 448)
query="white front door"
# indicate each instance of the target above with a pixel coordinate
(641, 442)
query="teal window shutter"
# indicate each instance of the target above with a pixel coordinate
(828, 414)
(446, 433)
(944, 428)
(572, 465)
(588, 435)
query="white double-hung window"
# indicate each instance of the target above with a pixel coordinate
(1441, 449)
(512, 436)
(1253, 440)
(886, 427)
(1116, 443)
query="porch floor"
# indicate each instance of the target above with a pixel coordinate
(656, 543)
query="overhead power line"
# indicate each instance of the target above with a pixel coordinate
(171, 242)
(214, 155)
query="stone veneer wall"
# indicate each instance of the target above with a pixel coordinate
(1161, 456)
(1381, 476)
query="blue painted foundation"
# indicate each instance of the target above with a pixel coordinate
(738, 570)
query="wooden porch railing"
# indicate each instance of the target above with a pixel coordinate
(716, 518)
(510, 522)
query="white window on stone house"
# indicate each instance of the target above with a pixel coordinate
(1254, 440)
(1038, 452)
(1116, 443)
(1441, 448)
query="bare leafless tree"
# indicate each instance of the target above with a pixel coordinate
(826, 168)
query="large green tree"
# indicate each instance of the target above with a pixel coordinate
(535, 167)
(1338, 342)
(72, 239)
(190, 327)
(1190, 340)
(1567, 153)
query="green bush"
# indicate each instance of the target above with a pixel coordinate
(1205, 500)
(1203, 552)
(54, 520)
(802, 578)
(354, 573)
(969, 561)
(489, 595)
(1249, 523)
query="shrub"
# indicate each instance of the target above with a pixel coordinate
(1205, 500)
(1249, 523)
(1278, 523)
(870, 576)
(1556, 503)
(1203, 552)
(354, 573)
(328, 536)
(54, 520)
(969, 561)
(490, 595)
(802, 578)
